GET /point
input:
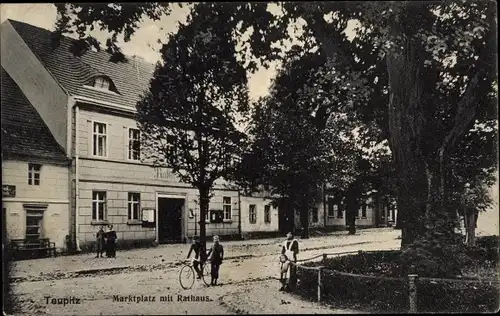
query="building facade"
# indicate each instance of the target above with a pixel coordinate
(90, 113)
(258, 217)
(374, 210)
(145, 204)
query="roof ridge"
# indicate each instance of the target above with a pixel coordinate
(142, 59)
(130, 78)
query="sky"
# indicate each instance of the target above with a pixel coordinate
(143, 43)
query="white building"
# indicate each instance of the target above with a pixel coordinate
(35, 172)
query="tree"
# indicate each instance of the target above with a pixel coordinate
(473, 171)
(298, 143)
(433, 65)
(188, 118)
(413, 39)
(295, 159)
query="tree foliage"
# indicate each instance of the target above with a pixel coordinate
(189, 116)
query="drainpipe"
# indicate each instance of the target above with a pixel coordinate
(68, 240)
(77, 177)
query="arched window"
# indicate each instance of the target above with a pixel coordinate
(102, 83)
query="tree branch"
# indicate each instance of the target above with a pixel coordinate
(465, 114)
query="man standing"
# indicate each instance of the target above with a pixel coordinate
(290, 250)
(199, 255)
(216, 255)
(100, 242)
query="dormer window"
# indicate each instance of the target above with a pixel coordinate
(102, 83)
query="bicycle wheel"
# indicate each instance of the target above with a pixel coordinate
(206, 273)
(186, 277)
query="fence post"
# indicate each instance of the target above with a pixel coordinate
(412, 278)
(320, 282)
(324, 257)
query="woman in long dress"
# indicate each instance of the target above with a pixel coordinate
(111, 242)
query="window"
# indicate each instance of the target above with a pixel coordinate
(34, 220)
(252, 213)
(340, 214)
(315, 217)
(331, 207)
(363, 210)
(99, 139)
(99, 206)
(102, 83)
(226, 206)
(134, 144)
(34, 174)
(267, 213)
(134, 205)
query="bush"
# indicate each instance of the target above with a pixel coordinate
(387, 288)
(486, 249)
(458, 297)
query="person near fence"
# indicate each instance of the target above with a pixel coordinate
(111, 242)
(289, 253)
(100, 242)
(215, 255)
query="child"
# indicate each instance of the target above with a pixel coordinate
(216, 255)
(100, 242)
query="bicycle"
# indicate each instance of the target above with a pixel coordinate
(188, 274)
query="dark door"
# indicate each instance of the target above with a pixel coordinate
(170, 220)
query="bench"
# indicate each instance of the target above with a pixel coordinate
(32, 248)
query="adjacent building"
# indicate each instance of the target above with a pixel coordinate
(258, 217)
(35, 172)
(375, 210)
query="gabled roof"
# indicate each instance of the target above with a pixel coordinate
(130, 78)
(24, 133)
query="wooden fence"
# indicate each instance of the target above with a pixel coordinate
(411, 279)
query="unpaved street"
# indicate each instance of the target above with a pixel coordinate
(248, 284)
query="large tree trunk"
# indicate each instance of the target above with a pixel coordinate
(471, 231)
(352, 208)
(351, 223)
(470, 227)
(288, 216)
(204, 205)
(406, 125)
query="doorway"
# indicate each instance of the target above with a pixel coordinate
(170, 219)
